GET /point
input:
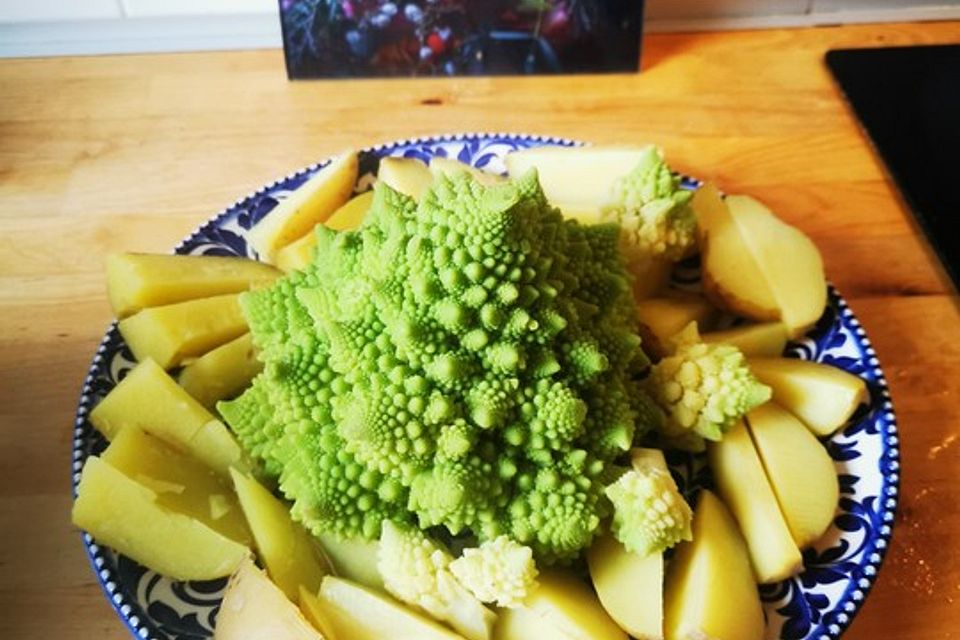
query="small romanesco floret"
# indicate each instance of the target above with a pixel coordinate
(649, 514)
(653, 210)
(499, 571)
(417, 571)
(467, 361)
(703, 389)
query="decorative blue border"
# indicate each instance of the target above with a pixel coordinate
(220, 235)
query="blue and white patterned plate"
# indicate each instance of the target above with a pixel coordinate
(818, 604)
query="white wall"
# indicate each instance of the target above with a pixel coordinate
(72, 27)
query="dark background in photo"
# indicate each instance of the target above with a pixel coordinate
(377, 38)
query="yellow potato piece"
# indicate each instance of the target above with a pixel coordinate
(630, 586)
(149, 399)
(181, 483)
(524, 624)
(139, 280)
(822, 396)
(764, 339)
(449, 166)
(569, 605)
(409, 176)
(354, 559)
(663, 318)
(799, 469)
(313, 610)
(223, 373)
(306, 207)
(299, 254)
(124, 515)
(744, 487)
(358, 613)
(710, 592)
(288, 551)
(580, 179)
(253, 608)
(788, 259)
(732, 277)
(174, 332)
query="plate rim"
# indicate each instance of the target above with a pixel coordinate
(849, 603)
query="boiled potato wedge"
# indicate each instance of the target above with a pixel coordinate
(630, 586)
(732, 277)
(709, 591)
(253, 608)
(788, 259)
(799, 469)
(822, 396)
(409, 176)
(181, 484)
(663, 318)
(223, 373)
(306, 207)
(524, 624)
(149, 399)
(449, 166)
(354, 559)
(744, 487)
(171, 333)
(124, 515)
(314, 611)
(564, 602)
(764, 339)
(136, 281)
(577, 178)
(358, 613)
(288, 551)
(299, 254)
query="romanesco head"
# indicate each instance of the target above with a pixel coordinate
(649, 514)
(439, 366)
(499, 571)
(704, 388)
(654, 212)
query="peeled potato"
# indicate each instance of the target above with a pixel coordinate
(253, 608)
(409, 176)
(306, 207)
(125, 515)
(710, 592)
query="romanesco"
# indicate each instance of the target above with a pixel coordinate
(649, 514)
(498, 571)
(464, 362)
(654, 212)
(703, 389)
(417, 571)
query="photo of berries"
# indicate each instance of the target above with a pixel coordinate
(377, 38)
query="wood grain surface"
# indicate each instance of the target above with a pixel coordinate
(102, 154)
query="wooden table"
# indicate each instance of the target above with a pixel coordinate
(131, 152)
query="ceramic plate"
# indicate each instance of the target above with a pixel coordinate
(818, 604)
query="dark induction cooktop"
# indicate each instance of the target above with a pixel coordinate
(908, 101)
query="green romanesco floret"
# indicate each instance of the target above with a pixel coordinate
(499, 571)
(653, 210)
(418, 571)
(649, 514)
(467, 361)
(703, 389)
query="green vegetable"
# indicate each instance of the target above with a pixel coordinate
(653, 211)
(467, 361)
(649, 514)
(703, 389)
(499, 571)
(417, 571)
